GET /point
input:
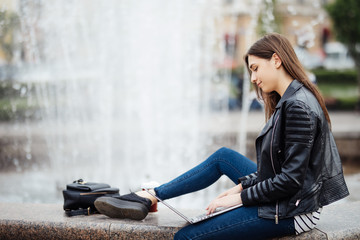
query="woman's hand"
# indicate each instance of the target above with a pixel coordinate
(225, 201)
(228, 198)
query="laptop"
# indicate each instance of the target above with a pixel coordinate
(199, 218)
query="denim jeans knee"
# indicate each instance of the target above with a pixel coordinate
(223, 162)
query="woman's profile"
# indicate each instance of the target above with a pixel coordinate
(298, 168)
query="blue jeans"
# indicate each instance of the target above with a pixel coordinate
(241, 223)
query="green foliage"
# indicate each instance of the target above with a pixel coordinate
(338, 88)
(14, 104)
(346, 20)
(346, 17)
(324, 76)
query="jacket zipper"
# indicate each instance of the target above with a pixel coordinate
(277, 213)
(273, 166)
(314, 189)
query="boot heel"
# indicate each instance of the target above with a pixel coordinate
(153, 208)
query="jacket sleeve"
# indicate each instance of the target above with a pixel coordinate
(299, 134)
(249, 180)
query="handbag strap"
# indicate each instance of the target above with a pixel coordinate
(86, 211)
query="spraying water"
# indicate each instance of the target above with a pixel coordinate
(125, 91)
(123, 87)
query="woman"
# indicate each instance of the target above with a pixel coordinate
(298, 167)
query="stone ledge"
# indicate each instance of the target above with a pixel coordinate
(48, 221)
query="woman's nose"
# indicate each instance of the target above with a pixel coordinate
(253, 78)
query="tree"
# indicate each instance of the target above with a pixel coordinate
(346, 22)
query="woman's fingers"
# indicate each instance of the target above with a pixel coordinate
(228, 198)
(212, 206)
(226, 201)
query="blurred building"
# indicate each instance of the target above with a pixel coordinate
(304, 22)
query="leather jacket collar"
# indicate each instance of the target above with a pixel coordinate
(293, 87)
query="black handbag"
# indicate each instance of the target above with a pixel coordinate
(79, 196)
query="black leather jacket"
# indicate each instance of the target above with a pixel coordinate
(299, 168)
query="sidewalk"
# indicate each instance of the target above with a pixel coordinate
(48, 221)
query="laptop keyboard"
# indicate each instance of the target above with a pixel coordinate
(201, 217)
(205, 216)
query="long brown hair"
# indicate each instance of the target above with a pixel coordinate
(277, 43)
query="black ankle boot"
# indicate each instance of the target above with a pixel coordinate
(129, 206)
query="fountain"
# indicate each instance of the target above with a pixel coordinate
(124, 93)
(123, 89)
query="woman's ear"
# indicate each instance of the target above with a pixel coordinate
(277, 60)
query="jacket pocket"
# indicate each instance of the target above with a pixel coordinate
(305, 200)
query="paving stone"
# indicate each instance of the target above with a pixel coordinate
(48, 221)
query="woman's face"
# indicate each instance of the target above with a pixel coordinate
(263, 73)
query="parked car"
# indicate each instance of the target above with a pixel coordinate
(307, 59)
(337, 56)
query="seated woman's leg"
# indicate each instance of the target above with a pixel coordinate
(137, 205)
(240, 223)
(223, 162)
